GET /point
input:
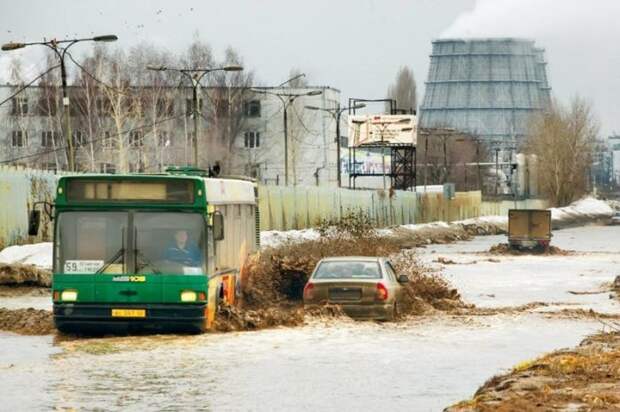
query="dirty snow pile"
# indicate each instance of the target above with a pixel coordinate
(38, 254)
(586, 209)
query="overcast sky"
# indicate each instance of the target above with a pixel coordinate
(355, 46)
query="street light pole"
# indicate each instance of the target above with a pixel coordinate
(336, 113)
(60, 51)
(287, 99)
(194, 76)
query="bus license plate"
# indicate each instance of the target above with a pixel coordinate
(129, 313)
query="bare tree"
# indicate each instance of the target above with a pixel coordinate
(49, 106)
(563, 139)
(227, 95)
(404, 90)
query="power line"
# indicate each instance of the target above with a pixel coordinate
(95, 78)
(24, 87)
(57, 149)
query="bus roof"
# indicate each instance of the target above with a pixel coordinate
(152, 190)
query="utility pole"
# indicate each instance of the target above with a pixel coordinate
(286, 99)
(194, 76)
(57, 47)
(496, 170)
(336, 113)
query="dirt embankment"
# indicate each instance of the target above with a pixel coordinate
(439, 234)
(585, 378)
(505, 249)
(16, 274)
(27, 321)
(274, 280)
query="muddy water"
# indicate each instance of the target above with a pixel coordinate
(418, 365)
(518, 280)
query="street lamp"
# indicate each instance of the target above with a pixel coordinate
(61, 51)
(195, 75)
(287, 99)
(336, 113)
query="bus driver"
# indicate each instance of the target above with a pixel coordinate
(182, 251)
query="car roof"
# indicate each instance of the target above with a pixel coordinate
(353, 259)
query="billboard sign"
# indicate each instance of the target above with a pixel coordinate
(382, 129)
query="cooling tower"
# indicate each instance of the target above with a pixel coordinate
(486, 87)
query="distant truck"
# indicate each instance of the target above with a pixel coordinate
(529, 228)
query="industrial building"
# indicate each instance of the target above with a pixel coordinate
(488, 88)
(135, 136)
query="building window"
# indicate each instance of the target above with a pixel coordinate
(50, 167)
(109, 141)
(251, 139)
(103, 106)
(20, 106)
(163, 138)
(47, 106)
(251, 108)
(79, 139)
(107, 168)
(165, 107)
(19, 138)
(136, 138)
(49, 139)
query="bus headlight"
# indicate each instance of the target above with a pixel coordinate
(188, 296)
(69, 295)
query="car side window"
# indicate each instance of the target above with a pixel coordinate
(391, 271)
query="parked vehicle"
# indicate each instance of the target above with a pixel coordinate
(615, 219)
(365, 287)
(529, 228)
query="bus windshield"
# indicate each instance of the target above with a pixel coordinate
(130, 242)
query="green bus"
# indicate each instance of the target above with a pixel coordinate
(137, 251)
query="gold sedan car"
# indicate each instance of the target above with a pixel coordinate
(365, 287)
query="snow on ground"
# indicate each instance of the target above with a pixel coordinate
(38, 254)
(588, 207)
(272, 238)
(582, 210)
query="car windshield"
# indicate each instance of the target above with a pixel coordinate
(348, 270)
(130, 242)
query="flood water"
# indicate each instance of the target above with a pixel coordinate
(424, 364)
(420, 365)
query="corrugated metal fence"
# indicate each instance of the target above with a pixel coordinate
(281, 208)
(285, 208)
(19, 189)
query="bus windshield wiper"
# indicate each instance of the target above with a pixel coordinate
(146, 262)
(137, 253)
(113, 259)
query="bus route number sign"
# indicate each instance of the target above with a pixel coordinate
(82, 266)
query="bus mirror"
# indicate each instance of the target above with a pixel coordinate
(34, 220)
(218, 226)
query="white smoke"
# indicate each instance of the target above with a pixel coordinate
(580, 38)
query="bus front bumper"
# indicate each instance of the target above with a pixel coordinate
(98, 318)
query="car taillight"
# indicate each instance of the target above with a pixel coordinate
(382, 292)
(308, 291)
